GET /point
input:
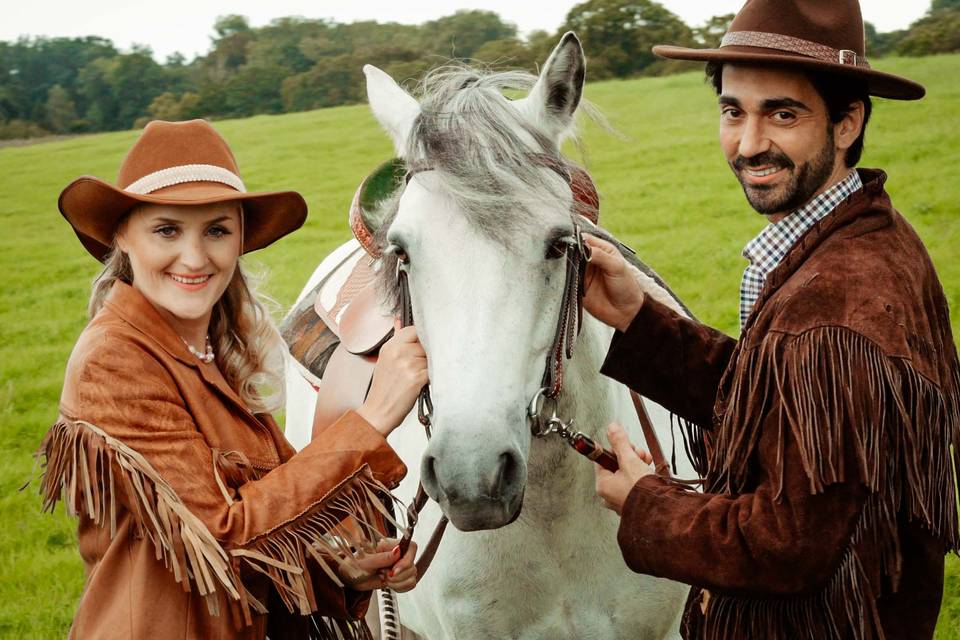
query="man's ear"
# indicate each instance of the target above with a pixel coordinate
(846, 132)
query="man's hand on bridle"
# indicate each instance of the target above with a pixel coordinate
(611, 291)
(635, 463)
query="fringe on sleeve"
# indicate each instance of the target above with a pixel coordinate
(85, 467)
(838, 392)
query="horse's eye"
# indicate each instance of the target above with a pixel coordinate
(557, 248)
(398, 251)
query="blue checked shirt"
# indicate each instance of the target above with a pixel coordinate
(767, 250)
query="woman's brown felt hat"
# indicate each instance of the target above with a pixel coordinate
(810, 34)
(176, 163)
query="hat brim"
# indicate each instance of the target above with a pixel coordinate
(880, 84)
(94, 209)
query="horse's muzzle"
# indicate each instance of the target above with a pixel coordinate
(475, 493)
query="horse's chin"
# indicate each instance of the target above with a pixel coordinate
(484, 514)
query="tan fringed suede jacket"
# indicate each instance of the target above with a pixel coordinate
(825, 436)
(197, 518)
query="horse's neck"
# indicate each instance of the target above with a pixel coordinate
(560, 479)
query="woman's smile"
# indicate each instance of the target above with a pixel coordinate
(190, 282)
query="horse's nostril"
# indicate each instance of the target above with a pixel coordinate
(506, 474)
(428, 473)
(428, 477)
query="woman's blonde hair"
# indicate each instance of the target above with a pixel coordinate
(242, 333)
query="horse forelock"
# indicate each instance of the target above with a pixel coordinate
(479, 144)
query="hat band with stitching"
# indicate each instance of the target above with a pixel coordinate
(185, 173)
(793, 45)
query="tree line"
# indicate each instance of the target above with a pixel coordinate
(73, 85)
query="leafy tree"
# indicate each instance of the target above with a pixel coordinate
(135, 80)
(228, 25)
(619, 34)
(938, 32)
(711, 33)
(937, 5)
(229, 50)
(96, 89)
(461, 34)
(541, 43)
(506, 53)
(16, 129)
(881, 44)
(61, 111)
(169, 106)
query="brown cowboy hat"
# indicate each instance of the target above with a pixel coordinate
(176, 163)
(812, 34)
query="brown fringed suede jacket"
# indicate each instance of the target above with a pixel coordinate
(197, 518)
(824, 433)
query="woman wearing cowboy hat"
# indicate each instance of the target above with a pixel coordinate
(824, 433)
(197, 518)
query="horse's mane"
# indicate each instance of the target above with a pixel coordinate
(480, 147)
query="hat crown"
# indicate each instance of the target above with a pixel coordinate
(163, 145)
(837, 24)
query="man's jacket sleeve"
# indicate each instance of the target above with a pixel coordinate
(674, 361)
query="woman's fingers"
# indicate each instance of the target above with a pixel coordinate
(371, 562)
(404, 581)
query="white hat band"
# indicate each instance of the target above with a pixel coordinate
(185, 173)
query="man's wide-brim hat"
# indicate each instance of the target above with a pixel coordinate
(176, 163)
(811, 34)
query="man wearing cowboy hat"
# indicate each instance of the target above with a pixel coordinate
(824, 432)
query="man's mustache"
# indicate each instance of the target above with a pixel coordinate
(765, 159)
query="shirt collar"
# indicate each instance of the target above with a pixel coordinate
(129, 303)
(795, 224)
(132, 306)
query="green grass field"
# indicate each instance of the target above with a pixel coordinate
(666, 191)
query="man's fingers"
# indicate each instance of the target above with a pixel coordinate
(620, 442)
(599, 244)
(605, 256)
(644, 455)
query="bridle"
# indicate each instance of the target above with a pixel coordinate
(543, 408)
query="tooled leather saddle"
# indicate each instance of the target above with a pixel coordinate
(336, 330)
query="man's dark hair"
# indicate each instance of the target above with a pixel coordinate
(839, 93)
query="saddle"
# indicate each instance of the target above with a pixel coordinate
(335, 332)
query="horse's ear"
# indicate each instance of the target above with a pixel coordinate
(556, 95)
(394, 108)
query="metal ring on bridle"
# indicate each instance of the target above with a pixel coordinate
(535, 412)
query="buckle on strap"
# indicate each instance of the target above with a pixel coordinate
(846, 56)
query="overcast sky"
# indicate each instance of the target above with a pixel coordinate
(187, 25)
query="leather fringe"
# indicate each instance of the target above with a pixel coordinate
(834, 389)
(845, 608)
(84, 466)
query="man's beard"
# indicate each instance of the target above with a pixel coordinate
(804, 181)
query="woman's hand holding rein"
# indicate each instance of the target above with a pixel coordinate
(400, 374)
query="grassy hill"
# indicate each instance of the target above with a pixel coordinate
(666, 191)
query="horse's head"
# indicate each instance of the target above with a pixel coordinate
(481, 228)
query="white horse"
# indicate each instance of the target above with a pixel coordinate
(533, 553)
